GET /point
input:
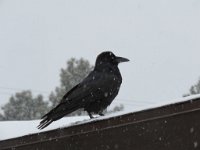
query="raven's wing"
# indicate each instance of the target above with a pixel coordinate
(88, 90)
(91, 86)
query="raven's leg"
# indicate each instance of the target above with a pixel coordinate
(101, 114)
(90, 115)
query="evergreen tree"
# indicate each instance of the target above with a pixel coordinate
(1, 117)
(23, 106)
(75, 72)
(117, 108)
(194, 89)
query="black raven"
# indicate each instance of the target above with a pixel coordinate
(94, 94)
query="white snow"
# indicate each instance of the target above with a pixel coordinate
(195, 144)
(191, 130)
(11, 129)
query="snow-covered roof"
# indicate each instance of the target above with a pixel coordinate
(11, 129)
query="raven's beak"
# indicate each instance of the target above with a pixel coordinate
(121, 59)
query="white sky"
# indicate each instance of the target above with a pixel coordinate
(160, 37)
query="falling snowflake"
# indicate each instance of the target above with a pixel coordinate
(106, 94)
(191, 130)
(92, 94)
(116, 146)
(195, 144)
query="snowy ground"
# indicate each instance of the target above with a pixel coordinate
(11, 129)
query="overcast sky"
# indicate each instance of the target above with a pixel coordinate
(160, 37)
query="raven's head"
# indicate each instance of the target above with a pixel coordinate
(109, 57)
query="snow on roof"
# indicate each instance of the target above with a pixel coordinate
(12, 129)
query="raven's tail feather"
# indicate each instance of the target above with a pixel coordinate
(58, 112)
(44, 123)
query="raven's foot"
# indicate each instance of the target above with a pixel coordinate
(91, 117)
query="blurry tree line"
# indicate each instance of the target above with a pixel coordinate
(24, 106)
(194, 89)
